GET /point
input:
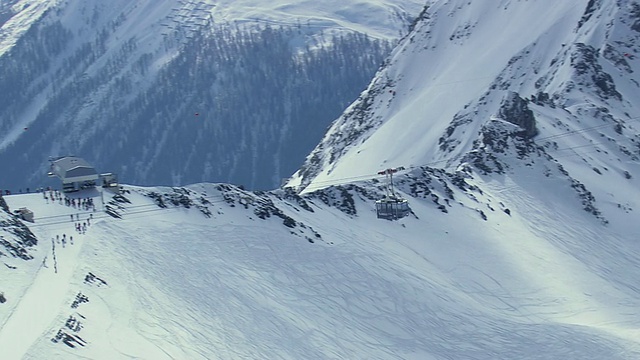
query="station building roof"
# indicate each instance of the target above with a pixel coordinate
(73, 169)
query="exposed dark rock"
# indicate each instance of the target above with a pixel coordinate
(542, 99)
(290, 194)
(618, 59)
(3, 205)
(180, 197)
(339, 197)
(157, 198)
(261, 203)
(424, 15)
(588, 200)
(448, 142)
(515, 110)
(19, 240)
(635, 15)
(592, 5)
(590, 73)
(498, 137)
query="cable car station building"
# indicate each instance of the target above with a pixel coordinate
(74, 172)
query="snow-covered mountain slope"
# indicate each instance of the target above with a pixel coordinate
(516, 123)
(380, 19)
(127, 84)
(534, 104)
(16, 17)
(211, 271)
(565, 72)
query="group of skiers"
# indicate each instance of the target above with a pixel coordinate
(81, 228)
(54, 196)
(63, 240)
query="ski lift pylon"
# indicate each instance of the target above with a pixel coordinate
(392, 206)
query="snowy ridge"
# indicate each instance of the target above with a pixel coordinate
(17, 17)
(560, 103)
(212, 271)
(563, 69)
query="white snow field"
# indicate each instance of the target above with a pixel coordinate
(524, 248)
(172, 283)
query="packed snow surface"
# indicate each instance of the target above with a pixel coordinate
(171, 283)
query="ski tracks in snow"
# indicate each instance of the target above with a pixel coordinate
(39, 309)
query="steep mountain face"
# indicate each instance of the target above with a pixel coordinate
(181, 91)
(478, 88)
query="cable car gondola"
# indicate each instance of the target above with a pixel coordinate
(391, 207)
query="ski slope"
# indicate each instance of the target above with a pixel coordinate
(534, 257)
(171, 283)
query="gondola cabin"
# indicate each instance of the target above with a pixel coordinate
(392, 208)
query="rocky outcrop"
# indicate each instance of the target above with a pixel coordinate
(15, 238)
(3, 204)
(515, 110)
(589, 72)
